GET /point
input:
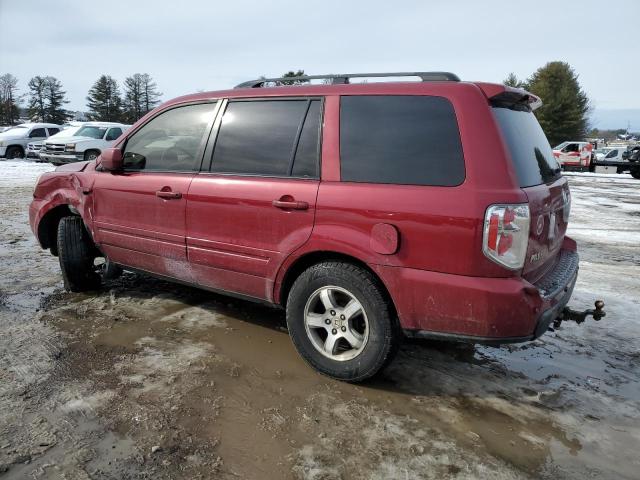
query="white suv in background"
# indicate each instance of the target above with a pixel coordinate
(13, 142)
(85, 144)
(69, 130)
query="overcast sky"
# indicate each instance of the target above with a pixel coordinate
(191, 45)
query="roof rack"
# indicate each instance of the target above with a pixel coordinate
(343, 78)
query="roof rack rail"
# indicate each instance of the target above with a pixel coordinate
(343, 78)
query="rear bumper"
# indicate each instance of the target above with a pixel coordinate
(481, 310)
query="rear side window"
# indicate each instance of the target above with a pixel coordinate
(306, 160)
(264, 137)
(410, 140)
(530, 151)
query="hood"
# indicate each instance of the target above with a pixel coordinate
(11, 136)
(72, 139)
(72, 167)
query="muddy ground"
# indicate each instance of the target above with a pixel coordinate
(146, 379)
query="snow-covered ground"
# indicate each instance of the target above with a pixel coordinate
(89, 383)
(16, 173)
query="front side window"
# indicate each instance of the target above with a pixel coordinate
(38, 133)
(171, 141)
(269, 137)
(112, 134)
(410, 140)
(612, 153)
(53, 131)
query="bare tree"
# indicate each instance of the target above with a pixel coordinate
(9, 99)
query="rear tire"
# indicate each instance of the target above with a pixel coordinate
(341, 322)
(76, 253)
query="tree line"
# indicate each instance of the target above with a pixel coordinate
(563, 115)
(46, 99)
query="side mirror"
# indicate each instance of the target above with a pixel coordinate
(111, 159)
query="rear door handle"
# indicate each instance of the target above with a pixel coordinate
(168, 195)
(290, 205)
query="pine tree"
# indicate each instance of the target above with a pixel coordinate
(37, 105)
(291, 73)
(563, 115)
(104, 101)
(55, 99)
(9, 99)
(513, 81)
(140, 96)
(150, 94)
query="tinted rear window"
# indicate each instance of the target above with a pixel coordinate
(530, 150)
(410, 140)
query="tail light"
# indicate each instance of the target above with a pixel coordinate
(506, 234)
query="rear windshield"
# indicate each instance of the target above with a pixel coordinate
(530, 150)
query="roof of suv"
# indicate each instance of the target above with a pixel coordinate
(431, 87)
(38, 125)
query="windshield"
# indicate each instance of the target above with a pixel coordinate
(561, 146)
(19, 130)
(530, 150)
(93, 132)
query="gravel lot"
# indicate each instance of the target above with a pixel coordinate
(146, 379)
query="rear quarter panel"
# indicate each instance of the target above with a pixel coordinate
(440, 228)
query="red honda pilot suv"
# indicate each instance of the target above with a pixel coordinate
(369, 211)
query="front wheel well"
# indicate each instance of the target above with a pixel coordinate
(18, 146)
(313, 258)
(48, 226)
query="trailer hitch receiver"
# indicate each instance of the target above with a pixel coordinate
(567, 314)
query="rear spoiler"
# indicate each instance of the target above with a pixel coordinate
(510, 97)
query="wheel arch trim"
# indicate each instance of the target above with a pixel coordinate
(298, 262)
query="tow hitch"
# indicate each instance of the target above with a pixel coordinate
(567, 314)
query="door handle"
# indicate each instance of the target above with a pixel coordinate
(168, 195)
(290, 205)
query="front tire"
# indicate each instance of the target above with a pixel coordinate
(76, 253)
(635, 173)
(91, 155)
(341, 322)
(14, 153)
